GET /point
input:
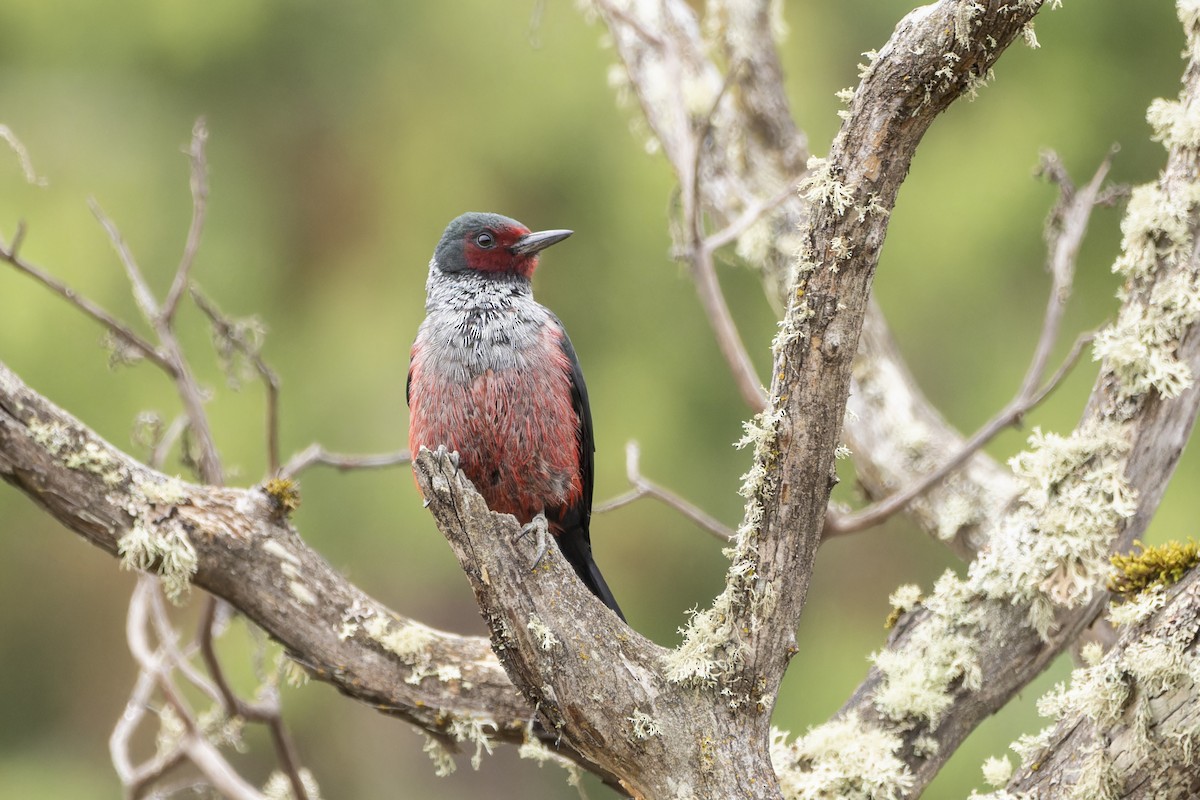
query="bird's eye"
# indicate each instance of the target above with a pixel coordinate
(485, 240)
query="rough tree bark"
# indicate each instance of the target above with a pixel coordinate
(695, 721)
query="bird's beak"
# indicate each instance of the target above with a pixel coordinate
(537, 241)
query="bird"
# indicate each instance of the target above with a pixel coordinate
(493, 376)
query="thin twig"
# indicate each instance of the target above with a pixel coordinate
(141, 289)
(228, 332)
(116, 327)
(704, 271)
(22, 154)
(158, 665)
(1065, 230)
(265, 711)
(728, 234)
(646, 488)
(211, 471)
(316, 454)
(1012, 414)
(170, 436)
(199, 186)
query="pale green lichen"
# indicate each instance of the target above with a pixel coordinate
(95, 459)
(76, 451)
(169, 492)
(427, 669)
(53, 436)
(1140, 347)
(939, 654)
(905, 598)
(533, 749)
(1174, 123)
(1116, 693)
(279, 786)
(409, 640)
(842, 759)
(353, 618)
(1139, 609)
(294, 675)
(1157, 234)
(845, 97)
(1155, 226)
(1053, 550)
(1090, 653)
(643, 726)
(997, 771)
(165, 547)
(472, 730)
(1030, 36)
(545, 637)
(443, 760)
(710, 650)
(222, 730)
(705, 654)
(822, 188)
(964, 21)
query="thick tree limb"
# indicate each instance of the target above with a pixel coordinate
(749, 153)
(601, 685)
(1128, 724)
(936, 54)
(1138, 419)
(248, 555)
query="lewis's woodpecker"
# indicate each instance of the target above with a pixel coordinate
(494, 377)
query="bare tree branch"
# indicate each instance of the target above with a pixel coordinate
(647, 488)
(1065, 232)
(232, 340)
(739, 171)
(22, 153)
(1129, 441)
(315, 454)
(199, 185)
(245, 553)
(1135, 707)
(11, 256)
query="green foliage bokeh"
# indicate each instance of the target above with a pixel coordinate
(343, 138)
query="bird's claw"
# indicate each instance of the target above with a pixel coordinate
(541, 527)
(451, 455)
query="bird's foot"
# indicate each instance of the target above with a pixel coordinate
(541, 527)
(444, 452)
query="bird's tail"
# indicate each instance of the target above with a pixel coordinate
(578, 552)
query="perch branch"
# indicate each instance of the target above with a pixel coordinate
(249, 556)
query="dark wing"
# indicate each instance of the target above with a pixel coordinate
(412, 354)
(574, 538)
(586, 440)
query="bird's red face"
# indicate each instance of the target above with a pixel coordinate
(489, 249)
(492, 244)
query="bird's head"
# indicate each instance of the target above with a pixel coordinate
(492, 244)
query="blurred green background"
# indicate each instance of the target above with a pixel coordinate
(343, 138)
